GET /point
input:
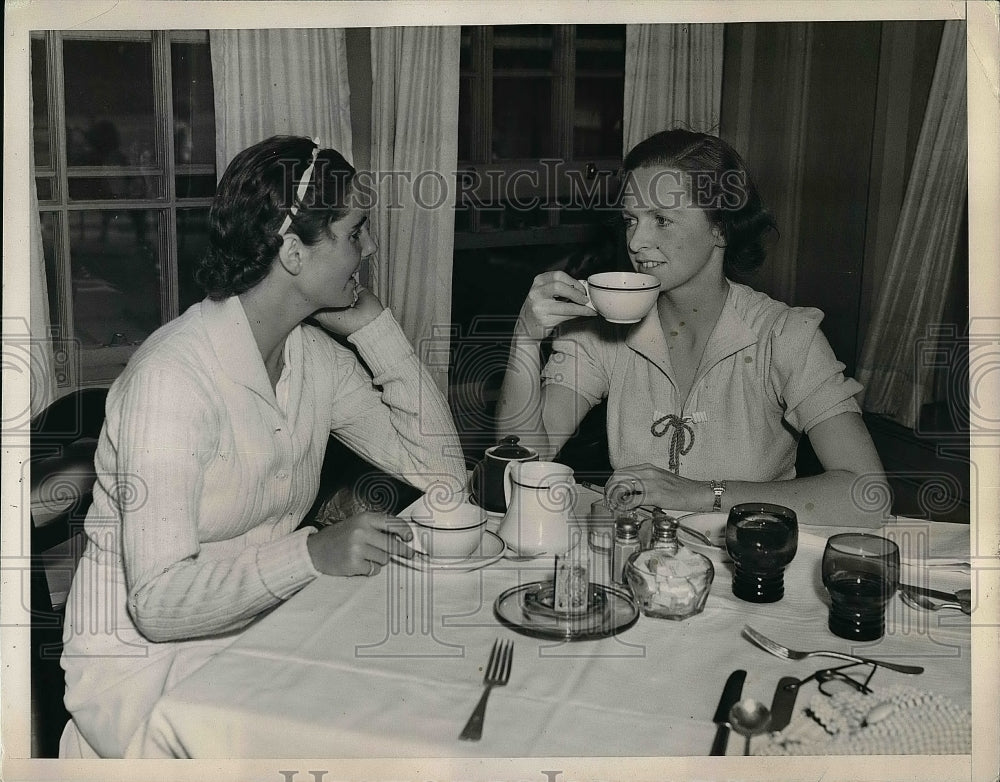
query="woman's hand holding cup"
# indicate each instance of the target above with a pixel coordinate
(554, 298)
(359, 545)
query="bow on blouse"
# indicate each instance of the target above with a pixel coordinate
(681, 439)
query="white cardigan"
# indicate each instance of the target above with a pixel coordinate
(204, 472)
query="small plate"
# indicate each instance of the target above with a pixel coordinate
(527, 609)
(713, 526)
(490, 550)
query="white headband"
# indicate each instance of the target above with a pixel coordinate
(300, 193)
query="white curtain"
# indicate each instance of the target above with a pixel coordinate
(912, 294)
(42, 370)
(673, 77)
(414, 157)
(279, 81)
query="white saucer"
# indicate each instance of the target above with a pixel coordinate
(490, 550)
(713, 526)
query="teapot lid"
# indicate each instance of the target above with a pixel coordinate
(509, 449)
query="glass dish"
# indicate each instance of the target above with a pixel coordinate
(528, 609)
(670, 586)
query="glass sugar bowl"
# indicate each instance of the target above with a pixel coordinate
(668, 580)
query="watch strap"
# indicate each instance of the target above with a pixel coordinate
(718, 489)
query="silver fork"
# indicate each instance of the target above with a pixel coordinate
(784, 652)
(497, 675)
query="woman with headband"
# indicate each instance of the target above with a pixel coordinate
(215, 434)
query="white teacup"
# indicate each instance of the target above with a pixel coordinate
(622, 297)
(451, 531)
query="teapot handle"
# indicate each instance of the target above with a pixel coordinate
(508, 483)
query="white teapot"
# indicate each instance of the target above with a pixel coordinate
(540, 499)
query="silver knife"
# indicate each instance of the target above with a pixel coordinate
(730, 696)
(783, 703)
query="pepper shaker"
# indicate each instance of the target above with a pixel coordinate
(625, 545)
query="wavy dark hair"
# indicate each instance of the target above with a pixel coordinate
(724, 188)
(254, 195)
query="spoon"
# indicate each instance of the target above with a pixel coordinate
(749, 718)
(916, 600)
(701, 536)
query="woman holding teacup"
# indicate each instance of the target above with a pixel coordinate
(215, 434)
(709, 392)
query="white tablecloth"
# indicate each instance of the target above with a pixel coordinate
(392, 666)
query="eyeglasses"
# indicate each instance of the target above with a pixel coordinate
(834, 680)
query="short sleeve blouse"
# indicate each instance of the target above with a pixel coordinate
(768, 375)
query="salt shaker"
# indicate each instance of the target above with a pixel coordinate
(664, 534)
(626, 544)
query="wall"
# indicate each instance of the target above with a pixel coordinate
(828, 116)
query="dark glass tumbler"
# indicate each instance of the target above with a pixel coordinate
(761, 540)
(861, 573)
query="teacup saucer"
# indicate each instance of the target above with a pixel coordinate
(712, 526)
(490, 550)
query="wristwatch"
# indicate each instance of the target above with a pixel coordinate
(718, 488)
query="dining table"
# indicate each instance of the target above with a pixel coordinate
(391, 666)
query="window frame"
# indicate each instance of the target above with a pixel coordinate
(484, 173)
(99, 365)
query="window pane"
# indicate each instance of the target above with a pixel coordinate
(192, 242)
(490, 219)
(45, 188)
(589, 214)
(49, 223)
(195, 185)
(521, 118)
(465, 126)
(522, 92)
(463, 219)
(116, 279)
(600, 47)
(40, 103)
(194, 106)
(115, 188)
(109, 103)
(519, 216)
(465, 52)
(597, 117)
(522, 46)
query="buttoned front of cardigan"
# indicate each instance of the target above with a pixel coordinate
(767, 375)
